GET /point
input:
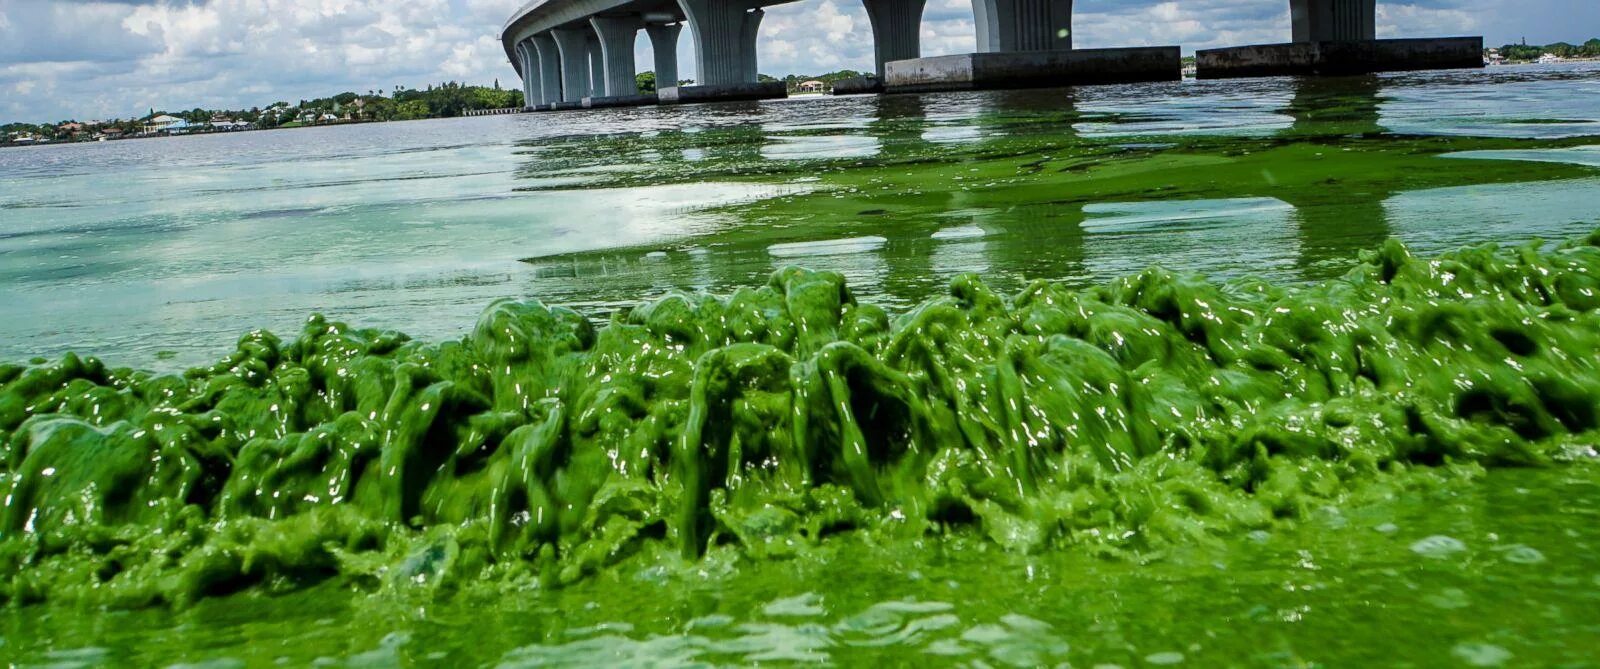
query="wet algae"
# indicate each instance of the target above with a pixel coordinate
(1155, 410)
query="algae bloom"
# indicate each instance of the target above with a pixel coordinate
(1154, 410)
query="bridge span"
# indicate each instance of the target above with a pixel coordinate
(580, 53)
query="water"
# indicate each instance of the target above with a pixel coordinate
(159, 253)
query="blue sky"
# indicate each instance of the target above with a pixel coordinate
(101, 59)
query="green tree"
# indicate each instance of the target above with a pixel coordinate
(645, 82)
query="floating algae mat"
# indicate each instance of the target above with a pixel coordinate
(1155, 412)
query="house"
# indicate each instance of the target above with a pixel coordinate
(812, 86)
(70, 129)
(166, 124)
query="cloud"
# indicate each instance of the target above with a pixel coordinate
(103, 58)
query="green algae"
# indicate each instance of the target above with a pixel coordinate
(1153, 412)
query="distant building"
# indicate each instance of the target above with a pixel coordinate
(812, 86)
(164, 123)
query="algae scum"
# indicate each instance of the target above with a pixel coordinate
(1157, 411)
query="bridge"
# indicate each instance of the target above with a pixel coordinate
(580, 53)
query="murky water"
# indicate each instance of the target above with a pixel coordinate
(159, 253)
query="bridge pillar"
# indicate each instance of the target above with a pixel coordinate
(1337, 37)
(724, 40)
(617, 35)
(1023, 25)
(548, 56)
(573, 44)
(664, 42)
(1333, 20)
(532, 87)
(896, 28)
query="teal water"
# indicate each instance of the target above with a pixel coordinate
(157, 253)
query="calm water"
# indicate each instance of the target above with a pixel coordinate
(159, 253)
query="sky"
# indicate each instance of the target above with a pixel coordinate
(102, 59)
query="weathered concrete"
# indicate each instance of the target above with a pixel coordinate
(1335, 58)
(1023, 25)
(896, 30)
(858, 86)
(617, 35)
(619, 101)
(566, 104)
(664, 45)
(530, 74)
(1333, 20)
(574, 47)
(724, 40)
(1033, 69)
(766, 90)
(549, 68)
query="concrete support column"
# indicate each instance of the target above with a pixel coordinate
(664, 42)
(724, 40)
(549, 62)
(1023, 25)
(896, 29)
(747, 42)
(617, 35)
(574, 47)
(532, 86)
(597, 66)
(1333, 20)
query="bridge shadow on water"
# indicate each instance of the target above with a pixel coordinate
(929, 203)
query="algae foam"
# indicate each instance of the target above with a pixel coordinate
(1154, 410)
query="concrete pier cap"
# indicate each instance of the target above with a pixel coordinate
(765, 90)
(1339, 57)
(1033, 69)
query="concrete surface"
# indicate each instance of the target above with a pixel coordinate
(672, 95)
(858, 86)
(1335, 58)
(618, 101)
(1033, 69)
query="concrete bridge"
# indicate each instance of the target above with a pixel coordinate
(580, 53)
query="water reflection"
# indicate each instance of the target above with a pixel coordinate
(189, 241)
(1335, 223)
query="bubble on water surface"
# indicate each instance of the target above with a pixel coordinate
(1438, 546)
(1481, 654)
(1520, 554)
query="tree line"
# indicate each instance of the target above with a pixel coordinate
(401, 104)
(1589, 49)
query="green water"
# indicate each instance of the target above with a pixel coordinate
(1305, 459)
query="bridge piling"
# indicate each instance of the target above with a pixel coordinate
(549, 59)
(617, 35)
(725, 53)
(664, 44)
(573, 46)
(896, 30)
(1333, 37)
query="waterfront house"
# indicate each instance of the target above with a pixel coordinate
(812, 86)
(167, 124)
